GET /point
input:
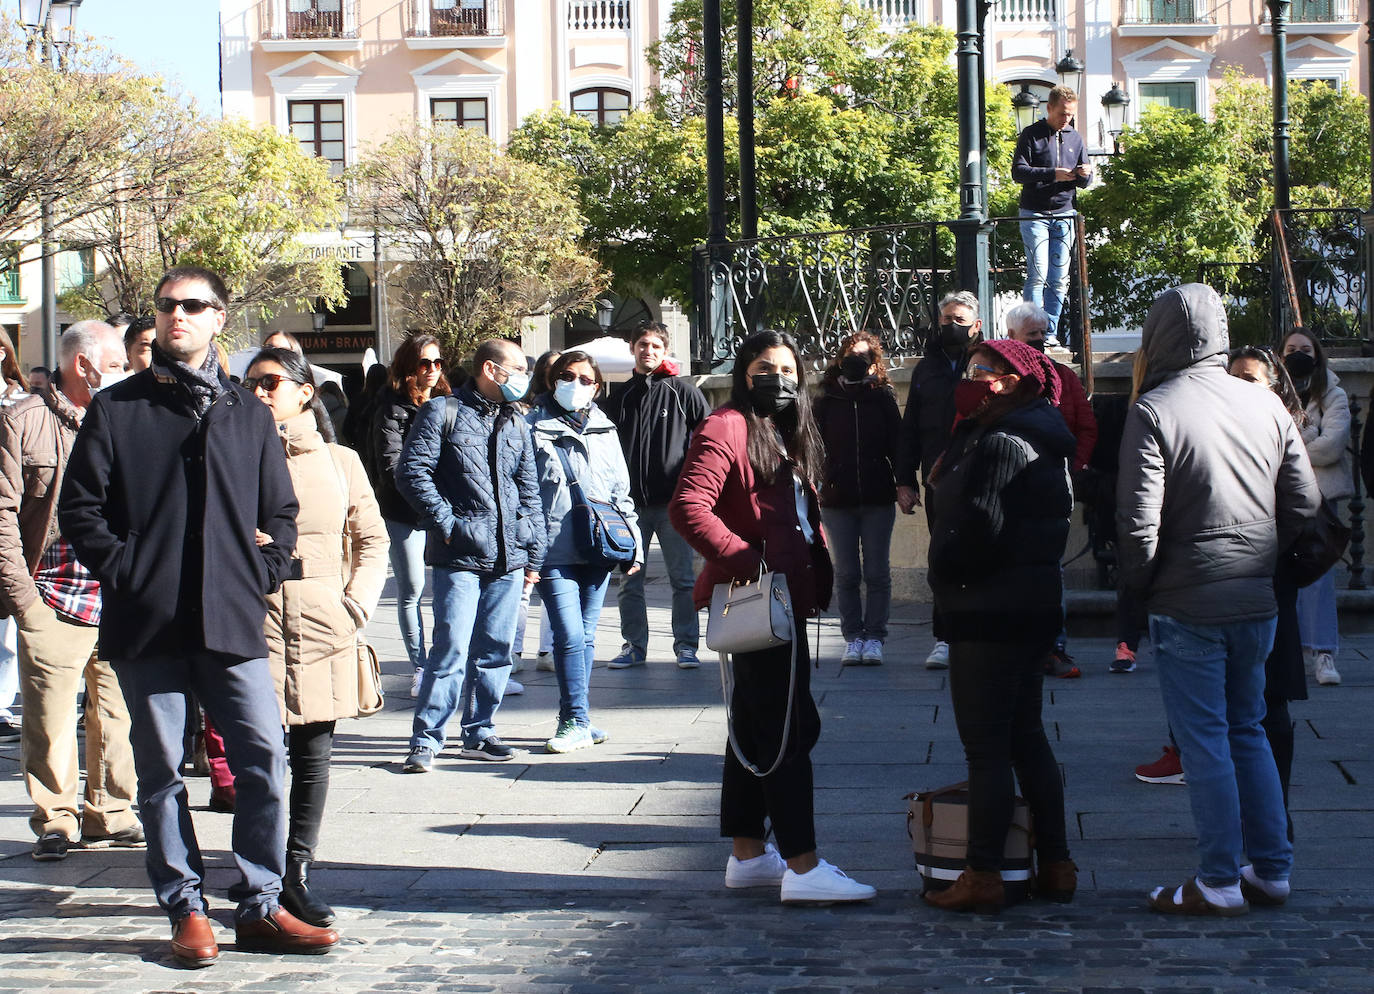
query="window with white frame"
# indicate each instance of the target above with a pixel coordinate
(319, 126)
(601, 105)
(1180, 95)
(466, 112)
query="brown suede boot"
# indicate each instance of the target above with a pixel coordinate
(1057, 880)
(975, 890)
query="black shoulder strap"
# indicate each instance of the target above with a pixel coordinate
(450, 415)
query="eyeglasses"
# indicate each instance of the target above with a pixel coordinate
(432, 364)
(268, 381)
(968, 373)
(567, 376)
(191, 305)
(510, 372)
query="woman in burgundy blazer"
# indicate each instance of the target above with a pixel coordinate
(747, 497)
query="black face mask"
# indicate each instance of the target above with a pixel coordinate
(772, 394)
(1300, 366)
(954, 338)
(854, 367)
(1037, 343)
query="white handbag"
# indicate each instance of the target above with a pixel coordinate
(748, 617)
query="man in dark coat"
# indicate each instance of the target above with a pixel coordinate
(177, 499)
(929, 416)
(655, 414)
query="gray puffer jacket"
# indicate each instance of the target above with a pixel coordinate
(1214, 478)
(598, 463)
(475, 490)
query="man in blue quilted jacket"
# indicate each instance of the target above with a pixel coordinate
(468, 468)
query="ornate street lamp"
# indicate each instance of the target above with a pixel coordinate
(1070, 72)
(605, 313)
(1025, 105)
(1114, 104)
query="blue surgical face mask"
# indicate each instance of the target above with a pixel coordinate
(573, 396)
(515, 386)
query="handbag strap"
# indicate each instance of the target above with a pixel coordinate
(579, 495)
(727, 682)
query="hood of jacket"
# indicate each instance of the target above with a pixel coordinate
(300, 434)
(546, 417)
(1186, 324)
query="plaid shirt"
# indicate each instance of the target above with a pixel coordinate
(66, 586)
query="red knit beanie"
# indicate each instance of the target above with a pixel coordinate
(1029, 363)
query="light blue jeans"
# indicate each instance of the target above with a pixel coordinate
(240, 697)
(573, 596)
(408, 566)
(860, 539)
(677, 560)
(469, 663)
(1317, 620)
(1212, 681)
(1049, 245)
(9, 667)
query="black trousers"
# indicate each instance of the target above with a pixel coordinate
(996, 689)
(759, 709)
(308, 751)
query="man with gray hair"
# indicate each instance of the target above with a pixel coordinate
(56, 603)
(929, 416)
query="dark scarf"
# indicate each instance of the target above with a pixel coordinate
(203, 384)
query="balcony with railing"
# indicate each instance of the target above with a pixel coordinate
(602, 16)
(1317, 17)
(302, 25)
(9, 282)
(1027, 11)
(893, 15)
(457, 22)
(1166, 12)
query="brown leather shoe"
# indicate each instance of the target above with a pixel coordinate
(1057, 880)
(282, 932)
(975, 890)
(193, 941)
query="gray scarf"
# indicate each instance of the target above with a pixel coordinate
(204, 383)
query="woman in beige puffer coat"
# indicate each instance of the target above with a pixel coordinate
(313, 621)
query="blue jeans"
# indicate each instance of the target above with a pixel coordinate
(1316, 615)
(469, 662)
(677, 559)
(850, 529)
(240, 697)
(408, 566)
(1212, 680)
(1049, 243)
(573, 596)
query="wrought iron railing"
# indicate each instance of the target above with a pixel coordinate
(1165, 12)
(1034, 11)
(9, 282)
(312, 19)
(822, 286)
(599, 15)
(461, 18)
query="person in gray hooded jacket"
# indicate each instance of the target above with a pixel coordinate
(1214, 484)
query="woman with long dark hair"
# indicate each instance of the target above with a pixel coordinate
(417, 374)
(1002, 503)
(859, 423)
(313, 621)
(745, 501)
(1327, 437)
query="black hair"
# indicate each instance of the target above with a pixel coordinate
(796, 424)
(569, 358)
(539, 377)
(1279, 380)
(120, 319)
(137, 327)
(1316, 386)
(179, 274)
(298, 370)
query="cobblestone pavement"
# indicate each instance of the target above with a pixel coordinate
(601, 870)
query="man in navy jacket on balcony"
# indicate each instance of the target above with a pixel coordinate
(1050, 164)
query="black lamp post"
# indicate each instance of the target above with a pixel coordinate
(971, 236)
(43, 19)
(1114, 104)
(1070, 72)
(1025, 106)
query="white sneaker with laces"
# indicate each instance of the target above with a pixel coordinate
(415, 682)
(761, 871)
(1325, 670)
(853, 653)
(939, 657)
(872, 652)
(825, 884)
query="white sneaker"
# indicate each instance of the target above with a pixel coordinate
(514, 688)
(853, 653)
(826, 884)
(761, 871)
(939, 657)
(1325, 670)
(415, 682)
(517, 663)
(544, 664)
(873, 652)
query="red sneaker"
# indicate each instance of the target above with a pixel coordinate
(1125, 659)
(1166, 769)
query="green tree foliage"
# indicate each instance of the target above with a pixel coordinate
(853, 128)
(1186, 193)
(489, 238)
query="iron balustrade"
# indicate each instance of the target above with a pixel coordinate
(599, 15)
(1165, 12)
(314, 19)
(820, 287)
(461, 18)
(895, 14)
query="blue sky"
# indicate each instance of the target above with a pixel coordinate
(178, 39)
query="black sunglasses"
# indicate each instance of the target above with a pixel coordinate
(191, 305)
(431, 363)
(567, 376)
(268, 381)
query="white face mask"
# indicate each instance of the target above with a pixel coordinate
(573, 396)
(108, 380)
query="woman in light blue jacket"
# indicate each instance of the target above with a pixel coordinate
(572, 436)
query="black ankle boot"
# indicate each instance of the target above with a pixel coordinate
(297, 899)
